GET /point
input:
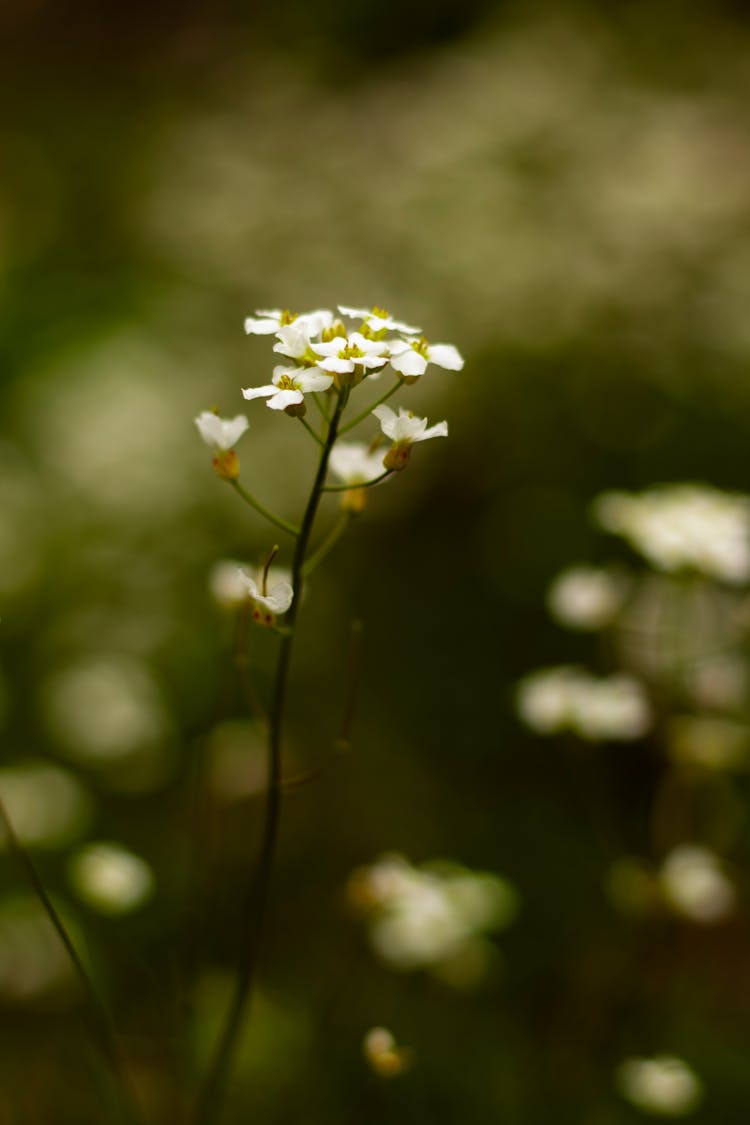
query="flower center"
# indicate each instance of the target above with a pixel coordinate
(287, 383)
(420, 346)
(287, 317)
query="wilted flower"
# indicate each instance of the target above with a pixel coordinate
(664, 1086)
(695, 885)
(568, 698)
(404, 430)
(684, 526)
(288, 388)
(585, 597)
(271, 595)
(423, 916)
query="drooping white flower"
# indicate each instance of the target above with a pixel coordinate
(695, 885)
(379, 320)
(351, 355)
(289, 386)
(586, 598)
(353, 463)
(568, 698)
(221, 433)
(271, 595)
(410, 357)
(267, 321)
(684, 526)
(404, 429)
(664, 1086)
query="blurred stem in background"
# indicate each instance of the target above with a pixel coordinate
(211, 1097)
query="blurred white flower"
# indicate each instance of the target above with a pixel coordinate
(267, 321)
(422, 916)
(664, 1086)
(379, 320)
(410, 357)
(271, 595)
(110, 878)
(684, 526)
(555, 699)
(586, 598)
(226, 585)
(695, 886)
(288, 387)
(382, 1053)
(221, 433)
(47, 805)
(351, 462)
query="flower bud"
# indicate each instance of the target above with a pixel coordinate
(226, 464)
(296, 410)
(397, 457)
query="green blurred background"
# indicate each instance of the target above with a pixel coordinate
(561, 190)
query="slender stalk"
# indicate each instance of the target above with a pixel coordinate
(365, 413)
(212, 1095)
(330, 541)
(324, 413)
(101, 1025)
(311, 431)
(250, 499)
(354, 487)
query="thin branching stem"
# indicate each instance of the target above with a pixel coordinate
(311, 431)
(253, 916)
(101, 1025)
(289, 528)
(330, 541)
(365, 413)
(354, 487)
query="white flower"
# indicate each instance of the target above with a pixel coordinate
(295, 342)
(555, 699)
(585, 598)
(410, 357)
(110, 878)
(404, 429)
(289, 386)
(343, 354)
(378, 320)
(353, 463)
(684, 526)
(221, 433)
(695, 885)
(271, 597)
(267, 321)
(664, 1086)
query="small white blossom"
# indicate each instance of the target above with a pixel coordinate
(685, 526)
(289, 386)
(221, 433)
(352, 463)
(110, 878)
(271, 597)
(378, 320)
(267, 321)
(664, 1086)
(343, 354)
(568, 698)
(410, 357)
(294, 341)
(404, 429)
(695, 885)
(585, 598)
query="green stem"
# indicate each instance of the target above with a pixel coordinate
(101, 1024)
(323, 412)
(328, 543)
(353, 487)
(253, 920)
(378, 402)
(250, 499)
(310, 430)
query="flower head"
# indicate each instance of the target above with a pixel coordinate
(404, 429)
(350, 357)
(270, 595)
(221, 433)
(410, 357)
(267, 321)
(379, 320)
(288, 388)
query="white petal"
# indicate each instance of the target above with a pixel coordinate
(233, 429)
(329, 347)
(440, 429)
(352, 463)
(333, 363)
(280, 597)
(209, 426)
(248, 582)
(409, 362)
(311, 381)
(261, 327)
(259, 392)
(387, 419)
(446, 356)
(362, 314)
(282, 399)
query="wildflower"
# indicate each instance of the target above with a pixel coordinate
(685, 526)
(585, 598)
(410, 357)
(695, 885)
(404, 430)
(555, 699)
(110, 878)
(273, 596)
(386, 1059)
(288, 388)
(350, 357)
(271, 320)
(664, 1086)
(294, 341)
(353, 463)
(379, 320)
(222, 434)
